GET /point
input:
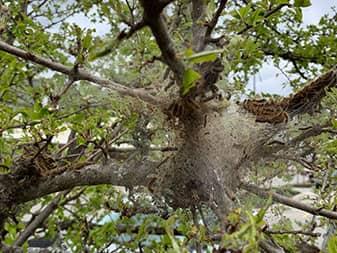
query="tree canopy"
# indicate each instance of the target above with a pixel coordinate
(143, 137)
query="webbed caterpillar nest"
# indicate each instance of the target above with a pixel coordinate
(213, 148)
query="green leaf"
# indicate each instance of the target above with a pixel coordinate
(189, 52)
(204, 56)
(262, 212)
(302, 3)
(334, 123)
(87, 40)
(169, 224)
(257, 17)
(236, 41)
(190, 76)
(117, 6)
(298, 14)
(103, 49)
(332, 245)
(243, 12)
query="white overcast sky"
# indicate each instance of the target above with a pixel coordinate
(269, 79)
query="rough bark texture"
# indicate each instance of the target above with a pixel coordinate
(15, 189)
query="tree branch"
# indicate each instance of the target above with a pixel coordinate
(307, 99)
(134, 28)
(211, 25)
(14, 190)
(304, 101)
(290, 56)
(132, 148)
(44, 214)
(300, 160)
(266, 193)
(292, 232)
(29, 230)
(222, 41)
(266, 15)
(80, 74)
(62, 116)
(153, 18)
(314, 130)
(9, 249)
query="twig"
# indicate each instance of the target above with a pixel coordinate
(36, 122)
(299, 70)
(60, 20)
(134, 28)
(294, 232)
(290, 56)
(300, 185)
(129, 149)
(38, 7)
(39, 219)
(80, 74)
(153, 18)
(302, 161)
(63, 147)
(196, 223)
(131, 9)
(211, 25)
(71, 198)
(266, 193)
(64, 91)
(203, 218)
(311, 132)
(285, 75)
(266, 15)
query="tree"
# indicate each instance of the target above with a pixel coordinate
(166, 80)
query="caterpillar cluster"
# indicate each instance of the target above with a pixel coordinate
(266, 111)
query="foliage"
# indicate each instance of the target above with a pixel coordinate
(38, 106)
(332, 245)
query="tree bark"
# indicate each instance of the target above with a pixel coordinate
(15, 190)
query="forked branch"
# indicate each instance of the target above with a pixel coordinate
(154, 19)
(33, 188)
(211, 25)
(80, 74)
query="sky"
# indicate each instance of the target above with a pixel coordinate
(269, 79)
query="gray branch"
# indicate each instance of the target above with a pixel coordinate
(15, 190)
(154, 19)
(80, 74)
(29, 230)
(265, 193)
